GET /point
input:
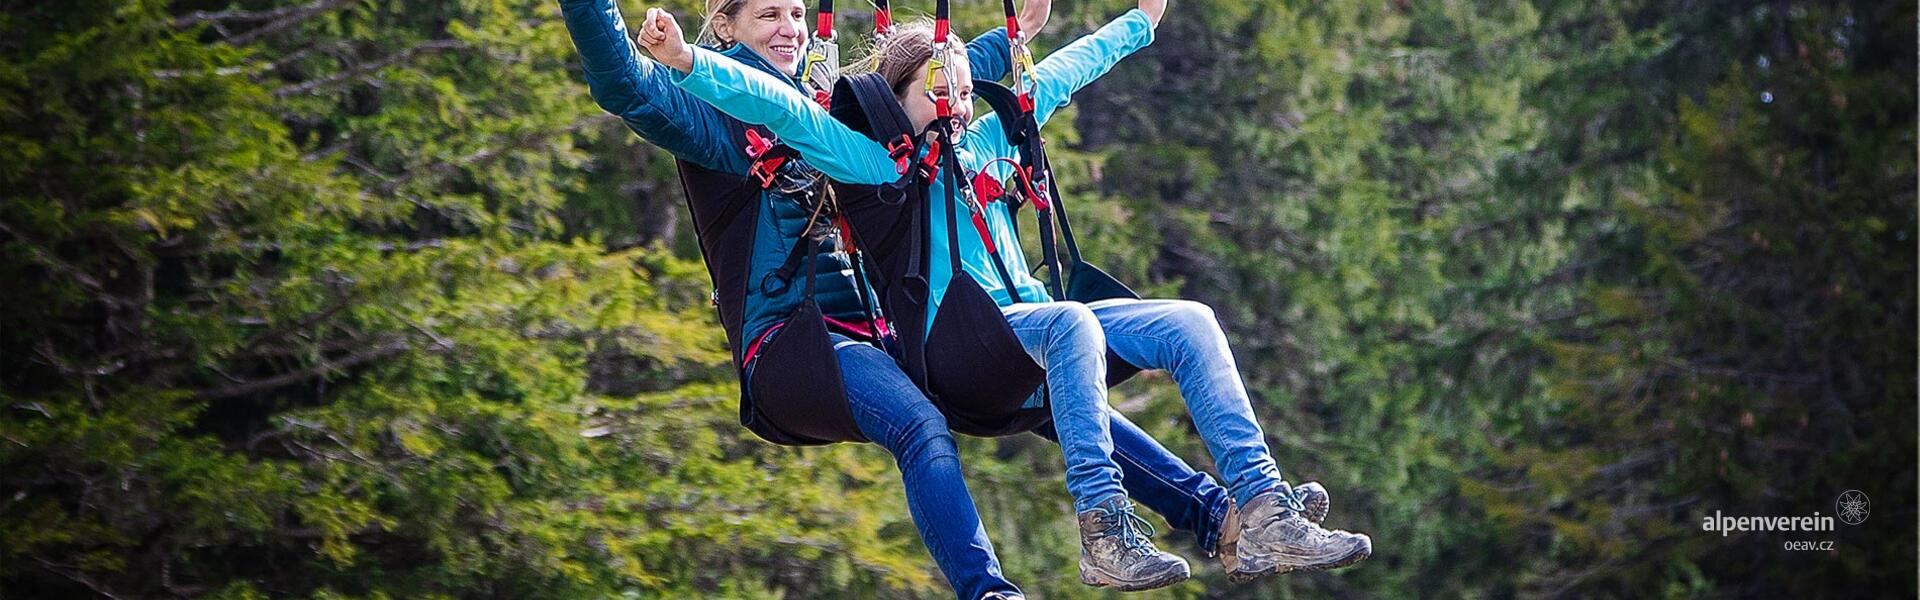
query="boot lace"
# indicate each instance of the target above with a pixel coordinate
(1133, 530)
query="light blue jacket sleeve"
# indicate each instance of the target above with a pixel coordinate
(639, 91)
(757, 98)
(1061, 74)
(1077, 64)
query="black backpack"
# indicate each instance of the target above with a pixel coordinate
(967, 360)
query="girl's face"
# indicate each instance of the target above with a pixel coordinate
(920, 108)
(774, 29)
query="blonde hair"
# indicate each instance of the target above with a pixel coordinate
(904, 51)
(715, 8)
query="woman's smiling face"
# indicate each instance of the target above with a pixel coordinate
(774, 29)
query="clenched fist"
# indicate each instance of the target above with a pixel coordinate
(661, 36)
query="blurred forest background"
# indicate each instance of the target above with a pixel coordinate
(366, 299)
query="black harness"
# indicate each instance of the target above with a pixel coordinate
(791, 391)
(967, 360)
(1033, 182)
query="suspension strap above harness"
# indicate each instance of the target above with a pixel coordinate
(882, 17)
(949, 156)
(823, 56)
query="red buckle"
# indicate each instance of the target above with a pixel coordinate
(1026, 179)
(824, 98)
(930, 164)
(987, 188)
(846, 234)
(763, 170)
(980, 223)
(901, 150)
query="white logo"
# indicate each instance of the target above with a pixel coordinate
(1852, 506)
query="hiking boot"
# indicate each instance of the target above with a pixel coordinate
(1115, 550)
(1313, 499)
(1276, 538)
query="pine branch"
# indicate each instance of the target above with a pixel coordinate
(367, 68)
(486, 154)
(276, 19)
(252, 16)
(47, 259)
(324, 367)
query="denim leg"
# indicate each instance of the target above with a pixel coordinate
(1184, 339)
(1189, 500)
(894, 414)
(1065, 339)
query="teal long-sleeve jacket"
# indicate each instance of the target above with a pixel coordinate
(851, 157)
(641, 92)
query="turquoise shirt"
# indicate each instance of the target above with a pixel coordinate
(850, 157)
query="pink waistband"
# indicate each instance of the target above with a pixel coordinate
(860, 330)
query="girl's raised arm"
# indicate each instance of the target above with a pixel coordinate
(1077, 64)
(757, 98)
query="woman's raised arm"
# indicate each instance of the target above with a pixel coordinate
(640, 92)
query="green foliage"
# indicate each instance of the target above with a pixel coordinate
(300, 314)
(366, 299)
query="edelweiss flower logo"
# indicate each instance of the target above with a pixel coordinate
(1852, 507)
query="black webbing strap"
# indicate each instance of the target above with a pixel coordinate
(950, 158)
(1023, 133)
(775, 282)
(868, 304)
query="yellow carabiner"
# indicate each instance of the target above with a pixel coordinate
(1024, 75)
(934, 65)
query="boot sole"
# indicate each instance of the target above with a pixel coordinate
(1352, 558)
(1172, 577)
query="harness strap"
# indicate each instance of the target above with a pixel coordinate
(955, 184)
(823, 20)
(1060, 211)
(867, 305)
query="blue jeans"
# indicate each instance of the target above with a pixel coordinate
(894, 414)
(1158, 479)
(1184, 339)
(1054, 334)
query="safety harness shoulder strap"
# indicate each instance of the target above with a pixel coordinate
(958, 186)
(1032, 179)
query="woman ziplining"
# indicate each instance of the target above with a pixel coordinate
(1277, 530)
(758, 209)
